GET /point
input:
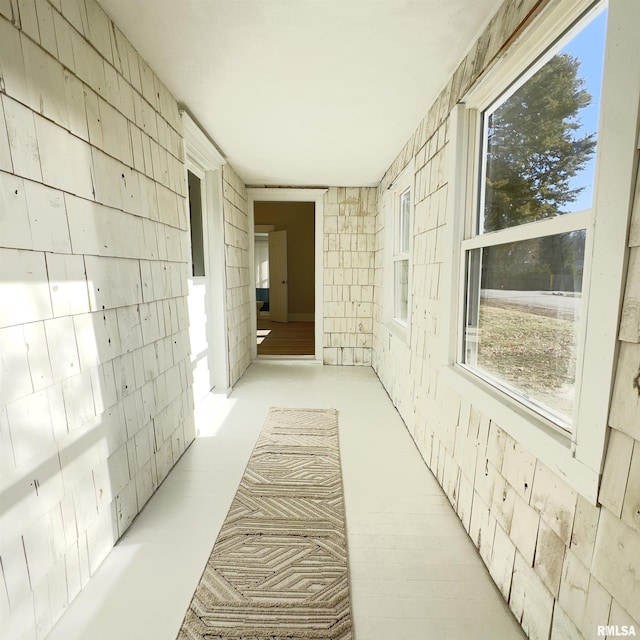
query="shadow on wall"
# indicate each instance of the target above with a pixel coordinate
(87, 429)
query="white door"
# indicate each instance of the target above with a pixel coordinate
(278, 284)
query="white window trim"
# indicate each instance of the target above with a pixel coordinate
(576, 457)
(205, 161)
(405, 180)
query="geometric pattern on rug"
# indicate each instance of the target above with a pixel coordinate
(279, 568)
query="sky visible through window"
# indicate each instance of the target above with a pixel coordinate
(588, 47)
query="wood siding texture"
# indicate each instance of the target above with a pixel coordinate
(349, 257)
(564, 565)
(238, 292)
(95, 378)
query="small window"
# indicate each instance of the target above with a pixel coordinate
(402, 229)
(398, 207)
(525, 253)
(195, 222)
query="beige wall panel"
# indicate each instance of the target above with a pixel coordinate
(5, 151)
(45, 83)
(12, 65)
(14, 218)
(630, 321)
(47, 218)
(549, 557)
(24, 282)
(574, 586)
(524, 529)
(616, 561)
(23, 141)
(634, 232)
(616, 471)
(625, 404)
(530, 601)
(502, 560)
(631, 505)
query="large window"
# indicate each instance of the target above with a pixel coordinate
(545, 149)
(525, 258)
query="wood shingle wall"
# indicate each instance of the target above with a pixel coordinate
(349, 244)
(236, 239)
(564, 565)
(95, 378)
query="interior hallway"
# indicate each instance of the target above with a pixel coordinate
(415, 574)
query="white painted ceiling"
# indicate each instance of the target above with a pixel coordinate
(304, 92)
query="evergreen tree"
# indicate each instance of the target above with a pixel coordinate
(533, 151)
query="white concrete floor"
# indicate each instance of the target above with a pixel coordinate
(415, 574)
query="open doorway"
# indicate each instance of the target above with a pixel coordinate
(281, 194)
(284, 265)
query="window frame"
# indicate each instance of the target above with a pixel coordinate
(577, 455)
(400, 255)
(405, 181)
(477, 238)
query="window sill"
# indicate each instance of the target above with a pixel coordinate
(529, 429)
(397, 329)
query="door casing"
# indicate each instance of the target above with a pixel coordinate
(204, 160)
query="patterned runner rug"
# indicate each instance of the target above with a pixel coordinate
(278, 570)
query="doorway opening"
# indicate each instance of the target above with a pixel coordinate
(291, 194)
(284, 265)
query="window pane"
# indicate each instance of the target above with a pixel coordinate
(261, 261)
(540, 142)
(401, 290)
(195, 218)
(404, 222)
(523, 311)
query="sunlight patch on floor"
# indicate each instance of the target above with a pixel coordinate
(211, 414)
(262, 334)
